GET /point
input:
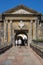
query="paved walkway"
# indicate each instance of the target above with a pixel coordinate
(20, 56)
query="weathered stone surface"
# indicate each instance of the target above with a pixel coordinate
(7, 62)
(20, 56)
(13, 19)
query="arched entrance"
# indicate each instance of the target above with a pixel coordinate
(22, 35)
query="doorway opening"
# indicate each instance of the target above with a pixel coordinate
(21, 35)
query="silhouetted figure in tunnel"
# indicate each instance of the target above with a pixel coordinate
(19, 42)
(16, 42)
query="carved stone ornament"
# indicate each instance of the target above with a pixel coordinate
(21, 24)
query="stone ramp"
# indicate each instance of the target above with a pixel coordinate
(20, 56)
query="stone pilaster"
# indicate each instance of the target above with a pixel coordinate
(5, 30)
(31, 24)
(35, 29)
(10, 31)
(30, 32)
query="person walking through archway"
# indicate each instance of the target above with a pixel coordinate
(20, 42)
(16, 43)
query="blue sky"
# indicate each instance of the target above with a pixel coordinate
(34, 4)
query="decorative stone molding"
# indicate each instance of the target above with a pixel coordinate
(21, 24)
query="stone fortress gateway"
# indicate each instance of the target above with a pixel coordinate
(20, 21)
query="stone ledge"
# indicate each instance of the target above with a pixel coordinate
(37, 49)
(5, 48)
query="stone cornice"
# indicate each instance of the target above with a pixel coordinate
(21, 15)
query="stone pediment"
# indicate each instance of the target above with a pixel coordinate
(21, 9)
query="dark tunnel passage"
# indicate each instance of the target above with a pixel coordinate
(22, 36)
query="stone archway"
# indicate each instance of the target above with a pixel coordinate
(21, 34)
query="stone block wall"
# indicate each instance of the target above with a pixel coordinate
(40, 31)
(31, 27)
(1, 33)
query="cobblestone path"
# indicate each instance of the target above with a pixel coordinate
(20, 56)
